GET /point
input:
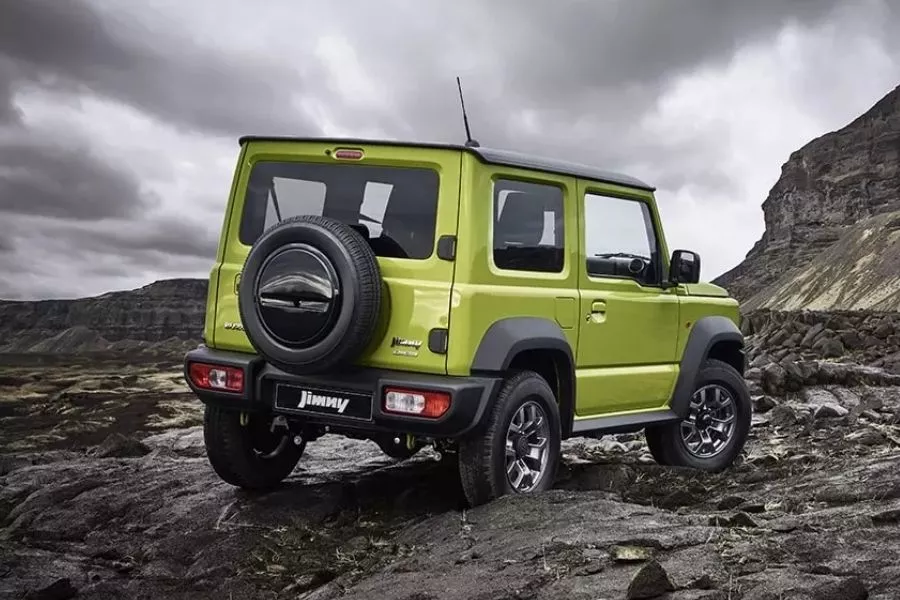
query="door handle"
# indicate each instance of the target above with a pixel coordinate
(598, 311)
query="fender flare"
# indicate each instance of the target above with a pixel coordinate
(508, 337)
(705, 333)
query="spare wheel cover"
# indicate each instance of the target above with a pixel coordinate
(310, 294)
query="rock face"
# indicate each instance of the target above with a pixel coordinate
(105, 493)
(867, 338)
(166, 314)
(810, 512)
(835, 193)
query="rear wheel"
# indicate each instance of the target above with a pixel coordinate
(253, 451)
(716, 428)
(519, 450)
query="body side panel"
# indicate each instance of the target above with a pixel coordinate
(210, 324)
(484, 294)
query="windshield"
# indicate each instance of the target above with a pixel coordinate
(394, 207)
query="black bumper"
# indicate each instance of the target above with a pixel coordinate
(471, 397)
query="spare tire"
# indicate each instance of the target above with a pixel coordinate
(310, 294)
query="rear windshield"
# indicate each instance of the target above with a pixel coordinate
(395, 207)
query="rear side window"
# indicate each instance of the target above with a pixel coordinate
(528, 226)
(394, 207)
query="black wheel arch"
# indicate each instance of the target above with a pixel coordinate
(534, 344)
(714, 337)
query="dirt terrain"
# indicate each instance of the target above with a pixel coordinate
(105, 493)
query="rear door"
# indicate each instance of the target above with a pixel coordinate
(404, 198)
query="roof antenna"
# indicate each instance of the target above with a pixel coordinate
(470, 143)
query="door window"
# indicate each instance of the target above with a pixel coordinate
(619, 239)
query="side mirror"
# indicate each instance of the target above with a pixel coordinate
(684, 267)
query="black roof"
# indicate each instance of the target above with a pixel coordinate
(492, 156)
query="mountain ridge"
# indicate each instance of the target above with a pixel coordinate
(825, 190)
(163, 316)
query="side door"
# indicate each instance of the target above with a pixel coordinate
(628, 330)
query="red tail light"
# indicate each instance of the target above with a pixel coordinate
(416, 402)
(217, 377)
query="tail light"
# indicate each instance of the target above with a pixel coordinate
(217, 377)
(416, 402)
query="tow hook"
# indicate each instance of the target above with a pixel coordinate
(245, 418)
(410, 441)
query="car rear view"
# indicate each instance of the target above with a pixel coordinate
(399, 198)
(333, 275)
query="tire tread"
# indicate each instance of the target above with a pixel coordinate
(664, 441)
(481, 481)
(231, 455)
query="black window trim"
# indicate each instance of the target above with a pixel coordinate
(536, 180)
(654, 228)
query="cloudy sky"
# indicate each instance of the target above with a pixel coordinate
(118, 120)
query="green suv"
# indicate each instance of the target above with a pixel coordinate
(485, 302)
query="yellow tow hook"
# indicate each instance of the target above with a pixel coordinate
(245, 418)
(410, 441)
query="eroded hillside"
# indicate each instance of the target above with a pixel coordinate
(814, 218)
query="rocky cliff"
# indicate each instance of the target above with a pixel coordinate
(835, 208)
(163, 316)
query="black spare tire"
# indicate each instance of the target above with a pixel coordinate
(310, 294)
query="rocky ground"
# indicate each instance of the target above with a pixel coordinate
(105, 493)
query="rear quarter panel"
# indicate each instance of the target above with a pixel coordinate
(484, 294)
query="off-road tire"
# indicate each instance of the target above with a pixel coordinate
(665, 441)
(482, 458)
(230, 450)
(362, 293)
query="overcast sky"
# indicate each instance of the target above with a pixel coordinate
(118, 120)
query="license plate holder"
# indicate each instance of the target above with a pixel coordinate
(318, 401)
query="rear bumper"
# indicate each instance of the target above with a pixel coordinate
(471, 397)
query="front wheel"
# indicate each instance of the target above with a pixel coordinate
(519, 450)
(716, 428)
(252, 451)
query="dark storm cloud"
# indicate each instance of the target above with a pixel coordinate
(625, 43)
(62, 178)
(575, 79)
(68, 45)
(587, 71)
(9, 113)
(570, 61)
(59, 258)
(141, 242)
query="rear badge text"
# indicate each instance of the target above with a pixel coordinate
(405, 347)
(323, 401)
